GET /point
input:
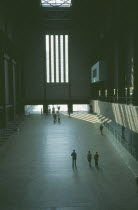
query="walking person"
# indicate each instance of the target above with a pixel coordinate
(89, 157)
(123, 132)
(101, 129)
(54, 117)
(58, 116)
(74, 157)
(53, 110)
(96, 158)
(58, 108)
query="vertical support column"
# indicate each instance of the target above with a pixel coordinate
(6, 87)
(45, 108)
(116, 74)
(69, 74)
(10, 86)
(136, 70)
(14, 88)
(70, 108)
(121, 73)
(3, 121)
(110, 85)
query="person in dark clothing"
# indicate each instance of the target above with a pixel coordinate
(58, 116)
(54, 117)
(101, 129)
(74, 157)
(137, 183)
(123, 132)
(89, 157)
(91, 109)
(96, 158)
(53, 110)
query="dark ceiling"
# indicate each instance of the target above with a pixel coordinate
(97, 21)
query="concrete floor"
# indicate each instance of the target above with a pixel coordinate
(36, 171)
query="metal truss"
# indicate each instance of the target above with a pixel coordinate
(56, 3)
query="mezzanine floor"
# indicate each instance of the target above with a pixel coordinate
(36, 171)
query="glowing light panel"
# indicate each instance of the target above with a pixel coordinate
(56, 3)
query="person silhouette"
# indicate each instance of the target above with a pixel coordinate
(89, 157)
(101, 129)
(74, 157)
(96, 158)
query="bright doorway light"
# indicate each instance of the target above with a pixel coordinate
(80, 107)
(63, 107)
(33, 109)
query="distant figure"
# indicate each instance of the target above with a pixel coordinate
(74, 157)
(58, 116)
(49, 110)
(53, 110)
(89, 157)
(69, 113)
(58, 108)
(91, 109)
(123, 132)
(54, 117)
(96, 158)
(101, 129)
(137, 183)
(41, 111)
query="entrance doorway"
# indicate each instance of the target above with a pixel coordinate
(80, 107)
(63, 107)
(33, 109)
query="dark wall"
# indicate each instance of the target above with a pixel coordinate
(33, 42)
(33, 65)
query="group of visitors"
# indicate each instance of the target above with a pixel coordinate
(89, 158)
(56, 114)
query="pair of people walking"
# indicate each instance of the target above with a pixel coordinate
(56, 117)
(89, 158)
(96, 158)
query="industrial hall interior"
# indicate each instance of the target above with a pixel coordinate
(68, 105)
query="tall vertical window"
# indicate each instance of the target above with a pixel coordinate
(47, 58)
(57, 59)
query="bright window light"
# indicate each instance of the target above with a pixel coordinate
(66, 59)
(52, 58)
(80, 107)
(56, 3)
(47, 58)
(61, 58)
(57, 59)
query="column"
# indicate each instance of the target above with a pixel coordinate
(14, 87)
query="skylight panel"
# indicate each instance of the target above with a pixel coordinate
(56, 3)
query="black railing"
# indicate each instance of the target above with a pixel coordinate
(121, 139)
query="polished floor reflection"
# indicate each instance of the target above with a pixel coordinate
(36, 167)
